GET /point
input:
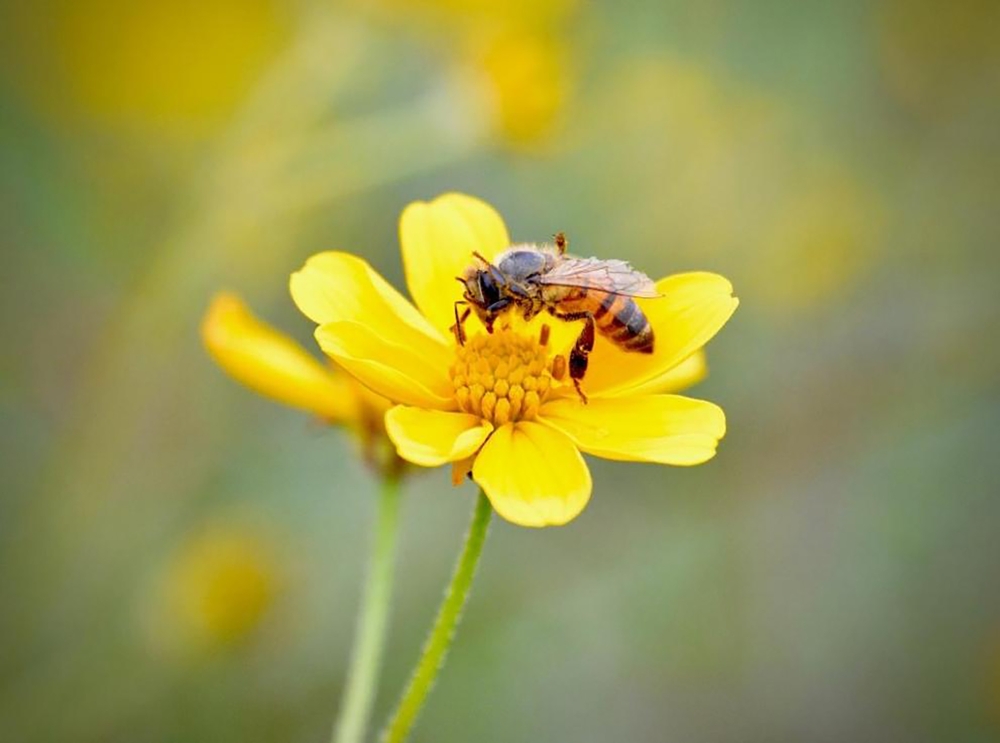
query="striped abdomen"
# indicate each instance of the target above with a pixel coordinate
(618, 318)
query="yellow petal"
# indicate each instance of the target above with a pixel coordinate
(402, 373)
(438, 239)
(271, 363)
(461, 469)
(693, 308)
(668, 429)
(686, 374)
(431, 437)
(334, 287)
(533, 475)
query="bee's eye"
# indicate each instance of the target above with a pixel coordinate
(488, 288)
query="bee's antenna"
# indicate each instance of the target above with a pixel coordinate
(479, 255)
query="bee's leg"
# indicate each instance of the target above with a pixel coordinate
(578, 357)
(459, 327)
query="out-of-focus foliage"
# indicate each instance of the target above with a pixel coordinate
(181, 559)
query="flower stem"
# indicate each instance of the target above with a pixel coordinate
(443, 632)
(373, 614)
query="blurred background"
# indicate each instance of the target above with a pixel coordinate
(181, 559)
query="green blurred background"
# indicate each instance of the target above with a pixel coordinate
(181, 560)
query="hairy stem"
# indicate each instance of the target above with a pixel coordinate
(443, 632)
(373, 615)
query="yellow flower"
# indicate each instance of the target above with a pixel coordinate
(215, 590)
(515, 68)
(525, 82)
(499, 406)
(277, 367)
(149, 67)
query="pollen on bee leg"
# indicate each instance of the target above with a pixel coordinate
(543, 336)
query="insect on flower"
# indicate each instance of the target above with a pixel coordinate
(532, 278)
(500, 405)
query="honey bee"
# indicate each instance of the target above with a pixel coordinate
(531, 278)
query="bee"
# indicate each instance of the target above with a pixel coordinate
(532, 278)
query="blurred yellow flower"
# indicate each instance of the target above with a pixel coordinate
(277, 367)
(484, 13)
(177, 67)
(525, 83)
(512, 59)
(802, 225)
(215, 590)
(497, 407)
(820, 239)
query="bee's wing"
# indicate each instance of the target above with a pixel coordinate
(613, 276)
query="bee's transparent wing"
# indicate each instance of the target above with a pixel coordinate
(613, 276)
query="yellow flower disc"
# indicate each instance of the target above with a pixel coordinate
(501, 377)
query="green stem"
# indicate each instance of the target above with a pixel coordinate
(373, 614)
(443, 631)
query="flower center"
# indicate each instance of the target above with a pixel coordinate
(504, 376)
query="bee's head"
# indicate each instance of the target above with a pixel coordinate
(484, 289)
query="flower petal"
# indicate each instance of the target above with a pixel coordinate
(431, 437)
(533, 475)
(333, 287)
(402, 373)
(273, 364)
(668, 429)
(693, 308)
(438, 239)
(686, 374)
